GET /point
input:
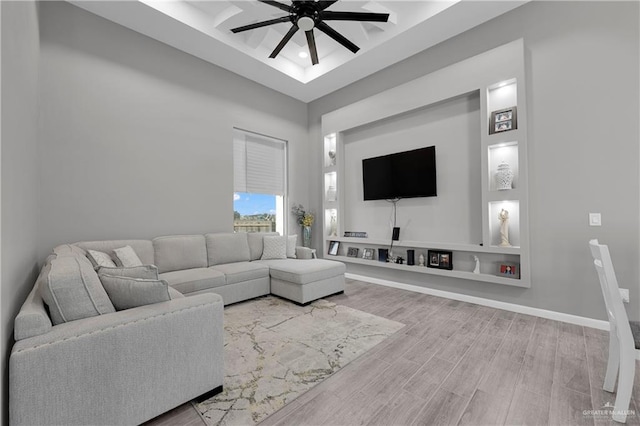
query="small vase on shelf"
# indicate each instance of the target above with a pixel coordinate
(504, 177)
(332, 193)
(306, 236)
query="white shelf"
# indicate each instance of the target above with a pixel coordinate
(488, 278)
(505, 195)
(472, 248)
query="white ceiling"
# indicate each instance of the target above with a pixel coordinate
(202, 29)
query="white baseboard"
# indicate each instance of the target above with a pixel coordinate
(521, 309)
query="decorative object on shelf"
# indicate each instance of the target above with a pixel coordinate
(503, 216)
(332, 158)
(383, 254)
(504, 176)
(333, 224)
(440, 259)
(476, 270)
(332, 193)
(334, 246)
(368, 253)
(421, 260)
(305, 219)
(509, 270)
(503, 120)
(411, 257)
(352, 234)
(352, 252)
(399, 260)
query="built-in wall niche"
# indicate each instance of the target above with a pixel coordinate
(455, 214)
(502, 95)
(331, 222)
(330, 152)
(496, 214)
(503, 161)
(330, 187)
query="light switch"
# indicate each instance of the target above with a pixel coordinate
(595, 219)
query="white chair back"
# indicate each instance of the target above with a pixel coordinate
(621, 362)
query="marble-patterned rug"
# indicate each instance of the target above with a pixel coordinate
(276, 350)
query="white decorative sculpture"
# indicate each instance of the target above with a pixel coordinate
(503, 216)
(332, 158)
(421, 260)
(504, 176)
(334, 225)
(476, 270)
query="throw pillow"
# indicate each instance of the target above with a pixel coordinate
(72, 291)
(99, 259)
(275, 247)
(292, 240)
(128, 293)
(147, 272)
(126, 256)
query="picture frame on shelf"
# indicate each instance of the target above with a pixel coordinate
(509, 270)
(368, 253)
(503, 120)
(440, 259)
(352, 252)
(383, 254)
(334, 246)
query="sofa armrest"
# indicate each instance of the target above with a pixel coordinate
(120, 368)
(305, 253)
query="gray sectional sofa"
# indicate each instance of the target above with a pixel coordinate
(128, 366)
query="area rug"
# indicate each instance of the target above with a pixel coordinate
(276, 350)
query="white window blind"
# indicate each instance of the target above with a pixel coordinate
(258, 164)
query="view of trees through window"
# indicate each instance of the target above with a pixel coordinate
(257, 212)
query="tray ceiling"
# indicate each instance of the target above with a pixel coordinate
(202, 29)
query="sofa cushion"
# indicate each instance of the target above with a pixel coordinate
(190, 280)
(126, 293)
(73, 290)
(100, 258)
(227, 248)
(304, 271)
(256, 244)
(178, 252)
(69, 250)
(147, 272)
(242, 271)
(275, 247)
(292, 240)
(143, 248)
(126, 256)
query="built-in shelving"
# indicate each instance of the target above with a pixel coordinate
(497, 77)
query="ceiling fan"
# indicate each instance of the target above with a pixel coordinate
(306, 15)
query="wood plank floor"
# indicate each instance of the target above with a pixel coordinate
(455, 363)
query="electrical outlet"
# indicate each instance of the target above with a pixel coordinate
(624, 293)
(595, 219)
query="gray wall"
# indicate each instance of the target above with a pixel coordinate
(20, 50)
(136, 136)
(582, 64)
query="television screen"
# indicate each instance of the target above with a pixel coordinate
(407, 174)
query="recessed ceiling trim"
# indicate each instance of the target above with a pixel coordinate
(186, 28)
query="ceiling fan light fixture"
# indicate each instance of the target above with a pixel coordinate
(305, 23)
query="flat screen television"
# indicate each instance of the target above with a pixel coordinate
(407, 174)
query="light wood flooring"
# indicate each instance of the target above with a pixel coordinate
(455, 363)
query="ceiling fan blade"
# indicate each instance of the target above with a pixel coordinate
(337, 36)
(311, 41)
(284, 41)
(354, 16)
(279, 5)
(261, 24)
(325, 4)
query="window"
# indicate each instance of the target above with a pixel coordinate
(259, 168)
